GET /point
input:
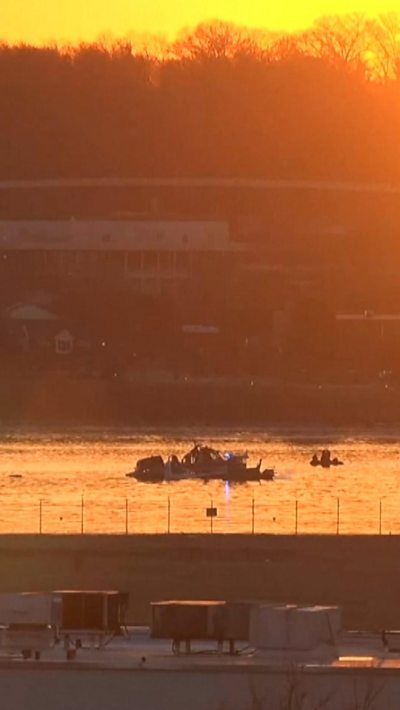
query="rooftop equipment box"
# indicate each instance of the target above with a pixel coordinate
(269, 626)
(30, 609)
(233, 620)
(288, 627)
(185, 620)
(29, 638)
(92, 610)
(326, 620)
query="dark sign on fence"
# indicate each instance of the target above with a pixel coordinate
(211, 512)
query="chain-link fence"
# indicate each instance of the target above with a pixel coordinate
(126, 516)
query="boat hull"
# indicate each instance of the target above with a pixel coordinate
(201, 464)
(246, 476)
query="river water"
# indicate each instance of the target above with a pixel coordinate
(74, 481)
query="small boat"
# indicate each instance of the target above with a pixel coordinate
(325, 460)
(201, 463)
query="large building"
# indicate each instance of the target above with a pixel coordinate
(153, 256)
(301, 236)
(291, 222)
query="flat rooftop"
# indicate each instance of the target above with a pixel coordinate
(138, 651)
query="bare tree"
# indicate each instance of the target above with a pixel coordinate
(341, 39)
(152, 46)
(217, 40)
(285, 46)
(385, 50)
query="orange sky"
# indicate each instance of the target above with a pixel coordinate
(71, 20)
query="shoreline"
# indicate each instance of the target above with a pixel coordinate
(55, 400)
(310, 432)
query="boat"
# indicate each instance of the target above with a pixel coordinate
(149, 470)
(325, 460)
(201, 463)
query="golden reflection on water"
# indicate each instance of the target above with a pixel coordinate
(63, 482)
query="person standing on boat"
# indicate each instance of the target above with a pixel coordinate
(326, 458)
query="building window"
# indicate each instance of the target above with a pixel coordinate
(64, 343)
(63, 347)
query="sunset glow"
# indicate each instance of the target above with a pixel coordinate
(41, 21)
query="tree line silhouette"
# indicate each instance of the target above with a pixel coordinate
(220, 100)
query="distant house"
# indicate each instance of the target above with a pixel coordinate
(64, 342)
(27, 327)
(29, 313)
(31, 329)
(200, 330)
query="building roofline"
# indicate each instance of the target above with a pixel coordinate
(230, 183)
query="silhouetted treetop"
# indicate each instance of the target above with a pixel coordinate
(220, 100)
(218, 40)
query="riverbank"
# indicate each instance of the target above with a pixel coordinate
(55, 399)
(360, 573)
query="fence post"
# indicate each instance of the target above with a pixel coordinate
(82, 513)
(169, 516)
(126, 517)
(252, 515)
(337, 516)
(296, 517)
(40, 516)
(380, 516)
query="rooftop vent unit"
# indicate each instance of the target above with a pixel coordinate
(201, 621)
(100, 611)
(294, 628)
